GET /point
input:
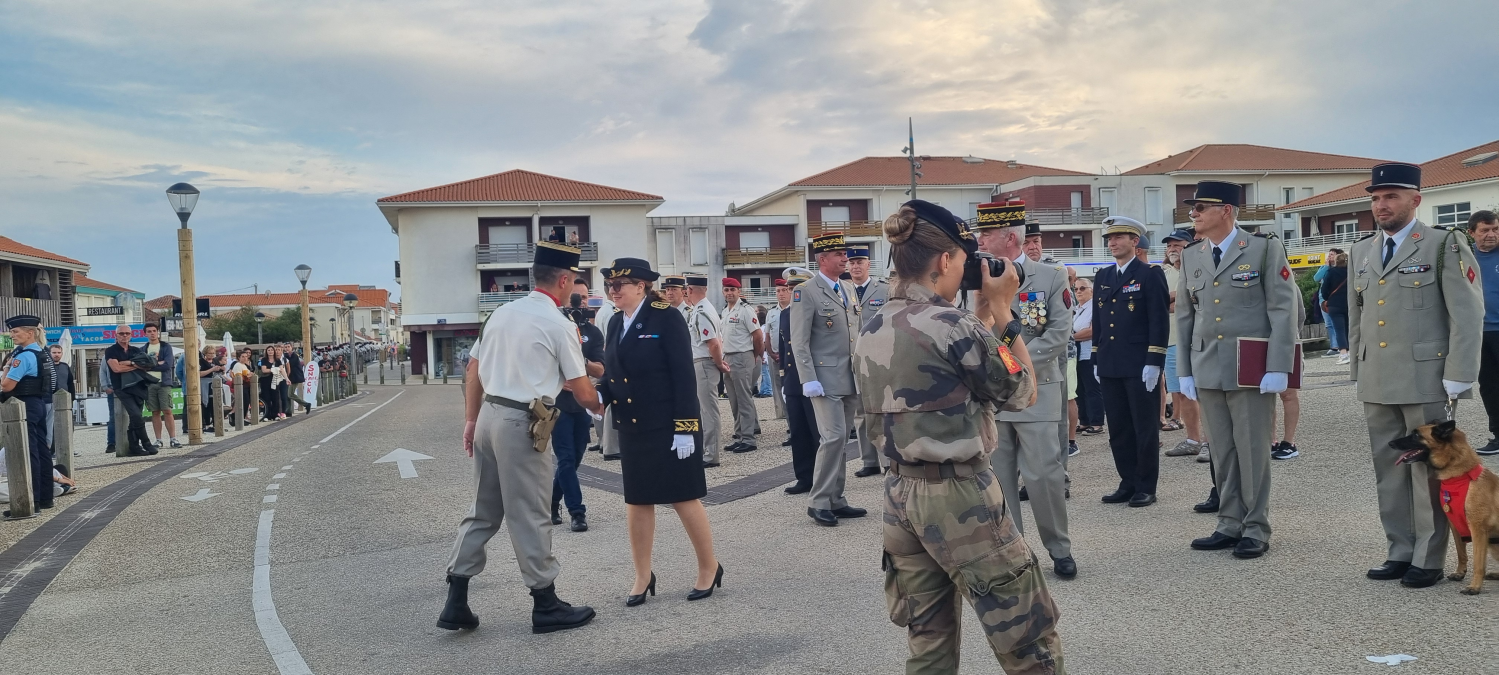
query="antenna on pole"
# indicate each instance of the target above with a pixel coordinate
(910, 151)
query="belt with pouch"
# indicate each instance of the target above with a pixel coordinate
(508, 403)
(936, 471)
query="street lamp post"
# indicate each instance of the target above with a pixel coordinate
(184, 198)
(259, 336)
(350, 300)
(303, 274)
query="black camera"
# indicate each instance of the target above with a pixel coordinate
(972, 276)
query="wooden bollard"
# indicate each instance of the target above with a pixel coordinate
(382, 371)
(252, 396)
(17, 458)
(62, 429)
(237, 403)
(218, 407)
(122, 428)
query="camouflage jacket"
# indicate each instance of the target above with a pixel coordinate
(930, 377)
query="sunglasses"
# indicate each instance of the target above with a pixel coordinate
(616, 285)
(1200, 207)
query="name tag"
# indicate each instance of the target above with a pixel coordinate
(1130, 288)
(651, 337)
(1245, 276)
(1414, 269)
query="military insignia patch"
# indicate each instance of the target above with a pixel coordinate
(1011, 363)
(1244, 267)
(1196, 274)
(876, 302)
(1245, 276)
(660, 305)
(1243, 243)
(1414, 269)
(796, 295)
(1415, 235)
(1285, 272)
(1130, 288)
(686, 426)
(1471, 275)
(1067, 299)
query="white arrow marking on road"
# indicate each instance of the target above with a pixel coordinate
(202, 495)
(403, 458)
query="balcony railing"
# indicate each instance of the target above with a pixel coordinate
(489, 301)
(1092, 216)
(1248, 213)
(1324, 241)
(524, 254)
(759, 297)
(851, 228)
(789, 255)
(49, 311)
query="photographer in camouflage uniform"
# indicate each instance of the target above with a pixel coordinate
(932, 414)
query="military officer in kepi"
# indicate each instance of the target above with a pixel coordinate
(1237, 287)
(743, 343)
(527, 352)
(674, 290)
(707, 362)
(801, 421)
(825, 319)
(29, 376)
(1029, 445)
(1415, 328)
(872, 292)
(1130, 328)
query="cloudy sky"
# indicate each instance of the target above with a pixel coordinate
(293, 117)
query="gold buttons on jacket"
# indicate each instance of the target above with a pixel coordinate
(1220, 337)
(1381, 344)
(1439, 353)
(634, 421)
(1218, 319)
(1381, 282)
(1381, 302)
(1111, 325)
(1381, 322)
(1216, 301)
(629, 400)
(1111, 337)
(1418, 283)
(627, 380)
(1215, 283)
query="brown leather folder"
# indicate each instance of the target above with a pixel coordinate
(1252, 355)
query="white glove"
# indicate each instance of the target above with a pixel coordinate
(812, 389)
(1455, 388)
(1273, 383)
(682, 443)
(1152, 376)
(1095, 372)
(1188, 387)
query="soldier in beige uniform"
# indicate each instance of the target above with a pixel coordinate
(707, 362)
(742, 346)
(526, 353)
(824, 324)
(1029, 445)
(1237, 285)
(1415, 328)
(773, 340)
(872, 292)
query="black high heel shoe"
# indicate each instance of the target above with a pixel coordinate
(717, 583)
(637, 600)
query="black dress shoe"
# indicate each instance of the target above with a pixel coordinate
(1416, 577)
(734, 447)
(850, 512)
(799, 489)
(1065, 568)
(611, 458)
(580, 523)
(744, 447)
(455, 614)
(709, 465)
(1251, 548)
(556, 515)
(1209, 506)
(1215, 542)
(823, 517)
(1142, 499)
(45, 505)
(1391, 569)
(786, 443)
(595, 448)
(1119, 496)
(1025, 494)
(868, 471)
(696, 594)
(637, 600)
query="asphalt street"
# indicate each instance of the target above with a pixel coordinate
(299, 551)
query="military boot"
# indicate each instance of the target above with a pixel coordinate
(551, 614)
(456, 614)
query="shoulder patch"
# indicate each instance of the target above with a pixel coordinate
(660, 305)
(1365, 236)
(796, 295)
(1440, 227)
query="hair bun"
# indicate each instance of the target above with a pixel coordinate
(901, 225)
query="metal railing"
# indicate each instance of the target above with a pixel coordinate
(1089, 216)
(851, 228)
(1248, 213)
(489, 254)
(49, 311)
(759, 297)
(1324, 241)
(789, 255)
(489, 301)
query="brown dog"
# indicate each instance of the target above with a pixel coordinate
(1447, 451)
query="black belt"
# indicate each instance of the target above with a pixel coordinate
(500, 400)
(938, 470)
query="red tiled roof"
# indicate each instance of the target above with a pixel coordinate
(8, 245)
(81, 280)
(368, 297)
(518, 185)
(935, 171)
(163, 302)
(1242, 157)
(1438, 172)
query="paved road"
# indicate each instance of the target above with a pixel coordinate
(321, 557)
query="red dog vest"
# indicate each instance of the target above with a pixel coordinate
(1455, 500)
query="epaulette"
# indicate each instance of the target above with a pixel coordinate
(1441, 227)
(1195, 242)
(1264, 235)
(660, 304)
(1363, 237)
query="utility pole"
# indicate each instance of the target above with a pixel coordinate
(910, 152)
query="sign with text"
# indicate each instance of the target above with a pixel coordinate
(202, 308)
(1302, 260)
(93, 336)
(309, 387)
(104, 311)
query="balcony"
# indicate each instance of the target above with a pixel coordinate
(522, 254)
(489, 301)
(1086, 217)
(1248, 213)
(764, 257)
(49, 311)
(852, 228)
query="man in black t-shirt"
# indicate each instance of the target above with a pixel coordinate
(130, 388)
(570, 436)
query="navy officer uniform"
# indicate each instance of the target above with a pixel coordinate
(650, 385)
(31, 379)
(1130, 330)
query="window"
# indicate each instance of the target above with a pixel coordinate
(697, 240)
(754, 240)
(973, 210)
(1108, 198)
(666, 247)
(1306, 192)
(1153, 206)
(1077, 242)
(1288, 195)
(835, 214)
(1076, 200)
(509, 234)
(1454, 214)
(1345, 226)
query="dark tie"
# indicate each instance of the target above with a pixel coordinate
(1217, 256)
(1389, 251)
(860, 291)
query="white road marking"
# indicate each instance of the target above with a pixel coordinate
(273, 486)
(200, 495)
(286, 468)
(216, 476)
(356, 421)
(315, 447)
(279, 475)
(268, 499)
(403, 459)
(283, 650)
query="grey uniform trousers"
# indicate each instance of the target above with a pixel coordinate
(707, 401)
(1066, 424)
(513, 485)
(740, 388)
(1240, 422)
(1028, 450)
(608, 435)
(775, 390)
(835, 416)
(1409, 507)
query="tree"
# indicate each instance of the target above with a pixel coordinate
(241, 324)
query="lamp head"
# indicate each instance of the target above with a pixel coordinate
(259, 317)
(303, 274)
(183, 198)
(350, 300)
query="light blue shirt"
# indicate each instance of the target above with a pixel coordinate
(1399, 238)
(24, 363)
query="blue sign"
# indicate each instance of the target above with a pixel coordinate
(93, 336)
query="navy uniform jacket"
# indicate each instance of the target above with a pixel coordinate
(791, 382)
(1130, 321)
(648, 375)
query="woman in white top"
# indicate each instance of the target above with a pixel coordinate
(1089, 397)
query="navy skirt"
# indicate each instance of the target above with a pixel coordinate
(653, 474)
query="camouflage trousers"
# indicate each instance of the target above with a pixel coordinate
(954, 535)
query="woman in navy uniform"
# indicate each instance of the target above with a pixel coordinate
(649, 382)
(29, 377)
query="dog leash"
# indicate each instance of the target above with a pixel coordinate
(1447, 407)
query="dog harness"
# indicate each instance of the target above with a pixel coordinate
(1455, 501)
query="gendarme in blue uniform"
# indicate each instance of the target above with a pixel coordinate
(30, 367)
